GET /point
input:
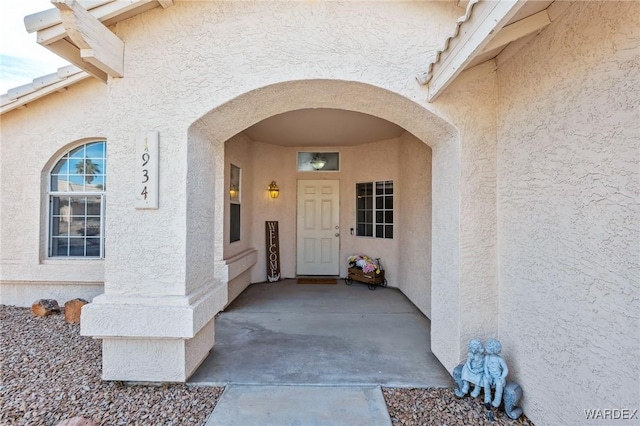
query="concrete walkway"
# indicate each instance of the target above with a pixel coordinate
(285, 349)
(242, 405)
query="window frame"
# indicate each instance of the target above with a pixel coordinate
(374, 211)
(235, 203)
(303, 158)
(50, 195)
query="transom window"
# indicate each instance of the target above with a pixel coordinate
(76, 202)
(374, 209)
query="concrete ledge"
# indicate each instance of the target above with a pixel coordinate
(172, 317)
(236, 270)
(241, 262)
(237, 286)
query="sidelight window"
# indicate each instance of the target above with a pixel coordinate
(374, 209)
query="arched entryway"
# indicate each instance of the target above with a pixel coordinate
(207, 180)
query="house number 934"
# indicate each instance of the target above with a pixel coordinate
(147, 171)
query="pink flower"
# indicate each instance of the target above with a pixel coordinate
(369, 267)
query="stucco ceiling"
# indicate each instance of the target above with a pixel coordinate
(322, 127)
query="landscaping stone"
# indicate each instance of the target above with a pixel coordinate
(44, 307)
(72, 310)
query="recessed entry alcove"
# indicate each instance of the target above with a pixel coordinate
(375, 135)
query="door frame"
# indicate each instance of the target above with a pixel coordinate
(337, 224)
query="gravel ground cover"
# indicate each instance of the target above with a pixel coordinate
(421, 407)
(49, 373)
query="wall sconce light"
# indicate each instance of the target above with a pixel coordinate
(233, 192)
(273, 190)
(317, 162)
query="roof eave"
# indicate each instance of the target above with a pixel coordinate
(41, 87)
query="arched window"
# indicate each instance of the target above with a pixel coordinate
(76, 202)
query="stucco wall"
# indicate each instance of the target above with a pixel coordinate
(414, 252)
(317, 54)
(372, 162)
(407, 161)
(32, 140)
(568, 214)
(321, 45)
(280, 164)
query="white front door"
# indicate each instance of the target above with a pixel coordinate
(318, 227)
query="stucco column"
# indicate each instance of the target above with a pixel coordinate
(464, 283)
(155, 318)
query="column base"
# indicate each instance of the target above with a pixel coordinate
(155, 360)
(153, 338)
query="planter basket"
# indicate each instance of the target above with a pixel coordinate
(372, 279)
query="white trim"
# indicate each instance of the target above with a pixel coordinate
(522, 28)
(476, 32)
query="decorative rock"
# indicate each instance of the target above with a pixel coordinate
(77, 421)
(44, 307)
(72, 310)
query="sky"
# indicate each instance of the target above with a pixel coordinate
(21, 58)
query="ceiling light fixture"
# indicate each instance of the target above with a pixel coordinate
(317, 162)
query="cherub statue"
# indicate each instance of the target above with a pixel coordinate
(473, 369)
(495, 372)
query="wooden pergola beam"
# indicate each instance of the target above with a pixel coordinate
(98, 45)
(487, 19)
(70, 52)
(47, 18)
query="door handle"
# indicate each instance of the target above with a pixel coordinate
(337, 234)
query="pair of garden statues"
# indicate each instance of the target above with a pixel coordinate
(485, 368)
